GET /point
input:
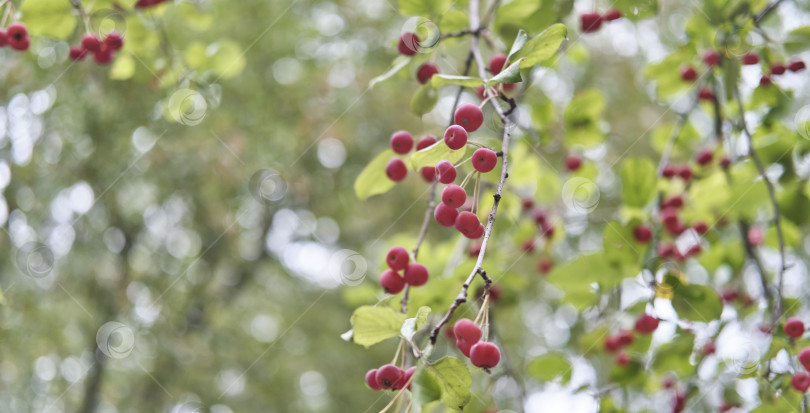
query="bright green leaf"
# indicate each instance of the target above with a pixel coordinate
(372, 180)
(694, 302)
(639, 182)
(373, 324)
(431, 155)
(453, 380)
(466, 81)
(549, 366)
(542, 47)
(424, 100)
(52, 18)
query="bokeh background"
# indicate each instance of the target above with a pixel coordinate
(168, 228)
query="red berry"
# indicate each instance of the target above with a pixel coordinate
(668, 382)
(481, 92)
(408, 44)
(467, 222)
(446, 172)
(540, 217)
(428, 173)
(625, 338)
(77, 53)
(646, 324)
(425, 142)
(415, 275)
(469, 116)
(685, 173)
(709, 348)
(668, 171)
(750, 59)
(701, 227)
(794, 328)
(464, 346)
(485, 355)
(572, 163)
(17, 31)
(484, 160)
(466, 330)
(804, 358)
(454, 196)
(800, 381)
(408, 375)
(688, 74)
(445, 215)
(390, 376)
(455, 137)
(547, 229)
(528, 245)
(397, 258)
(103, 56)
(725, 162)
(590, 22)
(622, 359)
(544, 265)
(674, 202)
(755, 236)
(425, 72)
(704, 157)
(666, 250)
(91, 43)
(669, 215)
(478, 233)
(3, 37)
(396, 169)
(401, 142)
(711, 58)
(796, 66)
(611, 15)
(371, 379)
(612, 344)
(527, 203)
(778, 69)
(391, 282)
(19, 44)
(765, 80)
(496, 63)
(705, 94)
(642, 234)
(679, 402)
(114, 41)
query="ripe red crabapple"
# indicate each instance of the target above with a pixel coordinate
(496, 63)
(527, 204)
(389, 376)
(467, 222)
(484, 160)
(625, 338)
(685, 172)
(669, 171)
(612, 344)
(391, 282)
(397, 258)
(701, 227)
(796, 66)
(17, 34)
(611, 15)
(705, 94)
(445, 215)
(91, 43)
(478, 233)
(765, 80)
(407, 377)
(485, 355)
(544, 265)
(425, 72)
(622, 359)
(408, 44)
(646, 324)
(688, 74)
(415, 275)
(469, 116)
(455, 137)
(709, 348)
(755, 236)
(114, 41)
(642, 234)
(572, 163)
(464, 346)
(804, 358)
(428, 173)
(105, 56)
(424, 142)
(396, 170)
(704, 157)
(711, 58)
(454, 196)
(750, 59)
(800, 381)
(725, 162)
(466, 330)
(371, 379)
(794, 328)
(77, 53)
(778, 69)
(446, 172)
(590, 22)
(401, 142)
(528, 245)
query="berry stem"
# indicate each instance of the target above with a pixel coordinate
(421, 238)
(466, 179)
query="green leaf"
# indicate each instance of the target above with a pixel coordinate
(453, 21)
(412, 325)
(549, 366)
(694, 302)
(639, 182)
(674, 356)
(798, 40)
(424, 100)
(509, 75)
(372, 180)
(517, 45)
(582, 116)
(575, 278)
(399, 63)
(52, 18)
(424, 8)
(431, 155)
(453, 380)
(466, 81)
(227, 58)
(540, 48)
(621, 250)
(632, 373)
(372, 324)
(425, 388)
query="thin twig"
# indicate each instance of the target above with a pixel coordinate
(767, 10)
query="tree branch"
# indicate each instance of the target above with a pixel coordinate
(766, 11)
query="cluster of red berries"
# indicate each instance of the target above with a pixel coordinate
(801, 380)
(142, 4)
(402, 143)
(413, 274)
(447, 213)
(645, 324)
(15, 36)
(103, 51)
(546, 229)
(389, 377)
(591, 22)
(482, 354)
(778, 69)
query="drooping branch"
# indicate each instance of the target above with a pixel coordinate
(766, 11)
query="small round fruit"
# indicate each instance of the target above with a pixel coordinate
(485, 355)
(625, 338)
(725, 162)
(408, 44)
(469, 116)
(572, 163)
(407, 377)
(424, 142)
(701, 227)
(426, 71)
(689, 74)
(389, 376)
(464, 346)
(428, 173)
(669, 171)
(454, 196)
(796, 66)
(397, 258)
(755, 236)
(709, 348)
(467, 222)
(804, 358)
(705, 94)
(371, 379)
(778, 69)
(528, 245)
(704, 157)
(103, 56)
(794, 328)
(590, 22)
(611, 15)
(750, 59)
(415, 275)
(17, 31)
(496, 63)
(466, 330)
(76, 53)
(445, 215)
(765, 80)
(544, 265)
(455, 137)
(642, 234)
(800, 381)
(401, 142)
(685, 173)
(612, 344)
(391, 282)
(91, 43)
(114, 40)
(711, 58)
(396, 170)
(622, 359)
(478, 233)
(445, 171)
(484, 160)
(646, 324)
